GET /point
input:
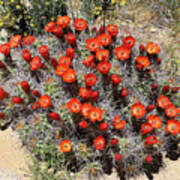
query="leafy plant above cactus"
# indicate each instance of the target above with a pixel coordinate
(91, 99)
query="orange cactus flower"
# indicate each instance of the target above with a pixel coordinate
(96, 114)
(99, 143)
(129, 42)
(142, 62)
(150, 140)
(104, 39)
(146, 128)
(74, 105)
(64, 60)
(152, 48)
(69, 76)
(102, 54)
(93, 44)
(5, 49)
(138, 110)
(45, 101)
(63, 21)
(61, 69)
(35, 63)
(44, 51)
(80, 24)
(172, 111)
(163, 102)
(71, 39)
(118, 123)
(65, 146)
(28, 40)
(90, 79)
(122, 53)
(49, 27)
(86, 107)
(57, 31)
(84, 93)
(155, 121)
(15, 41)
(104, 67)
(112, 29)
(89, 61)
(173, 127)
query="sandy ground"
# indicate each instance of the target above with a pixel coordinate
(14, 161)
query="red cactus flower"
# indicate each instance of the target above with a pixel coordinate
(148, 159)
(25, 86)
(158, 60)
(69, 76)
(45, 101)
(150, 107)
(118, 123)
(28, 40)
(65, 146)
(74, 105)
(99, 143)
(114, 141)
(50, 26)
(15, 41)
(83, 124)
(54, 116)
(102, 54)
(155, 121)
(116, 79)
(104, 39)
(57, 31)
(166, 89)
(26, 55)
(90, 80)
(89, 61)
(93, 44)
(124, 92)
(112, 29)
(84, 93)
(175, 89)
(53, 62)
(154, 86)
(35, 105)
(122, 53)
(64, 60)
(138, 110)
(103, 126)
(63, 21)
(171, 111)
(61, 69)
(163, 101)
(150, 140)
(2, 115)
(95, 114)
(142, 62)
(44, 51)
(71, 39)
(3, 94)
(36, 93)
(5, 49)
(17, 100)
(35, 63)
(173, 127)
(141, 47)
(104, 67)
(94, 95)
(86, 107)
(80, 24)
(129, 42)
(101, 29)
(70, 53)
(118, 157)
(152, 48)
(146, 128)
